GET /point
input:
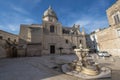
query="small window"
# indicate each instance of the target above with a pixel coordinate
(14, 40)
(118, 32)
(1, 37)
(9, 39)
(117, 19)
(80, 41)
(52, 28)
(50, 19)
(66, 41)
(73, 47)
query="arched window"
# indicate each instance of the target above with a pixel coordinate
(52, 28)
(80, 41)
(9, 39)
(1, 37)
(66, 41)
(116, 17)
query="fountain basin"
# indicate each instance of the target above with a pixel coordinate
(90, 71)
(85, 68)
(103, 73)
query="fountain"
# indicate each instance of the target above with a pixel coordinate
(85, 67)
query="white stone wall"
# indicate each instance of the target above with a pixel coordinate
(113, 52)
(115, 8)
(24, 34)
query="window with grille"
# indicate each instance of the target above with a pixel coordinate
(66, 41)
(116, 19)
(52, 29)
(118, 32)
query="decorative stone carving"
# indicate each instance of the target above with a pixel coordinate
(85, 68)
(75, 29)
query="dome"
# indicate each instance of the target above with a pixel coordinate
(49, 12)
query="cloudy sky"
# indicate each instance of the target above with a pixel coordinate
(90, 14)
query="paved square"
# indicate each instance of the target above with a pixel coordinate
(47, 68)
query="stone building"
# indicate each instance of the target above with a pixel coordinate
(109, 38)
(5, 46)
(6, 35)
(50, 37)
(92, 41)
(2, 48)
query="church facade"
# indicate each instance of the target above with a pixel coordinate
(50, 37)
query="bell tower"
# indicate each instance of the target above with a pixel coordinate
(50, 15)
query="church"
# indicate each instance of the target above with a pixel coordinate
(49, 37)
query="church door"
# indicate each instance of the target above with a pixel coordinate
(52, 49)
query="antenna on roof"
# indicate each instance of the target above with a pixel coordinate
(50, 7)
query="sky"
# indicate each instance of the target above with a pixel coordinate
(90, 14)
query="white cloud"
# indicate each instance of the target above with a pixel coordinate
(11, 22)
(97, 5)
(36, 1)
(21, 10)
(13, 27)
(18, 9)
(28, 20)
(92, 20)
(83, 22)
(90, 24)
(31, 3)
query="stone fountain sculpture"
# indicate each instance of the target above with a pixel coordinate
(84, 67)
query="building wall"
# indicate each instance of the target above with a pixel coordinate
(5, 35)
(3, 44)
(115, 8)
(51, 35)
(24, 34)
(109, 38)
(59, 39)
(36, 35)
(3, 52)
(41, 34)
(34, 48)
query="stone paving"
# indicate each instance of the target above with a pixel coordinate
(41, 68)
